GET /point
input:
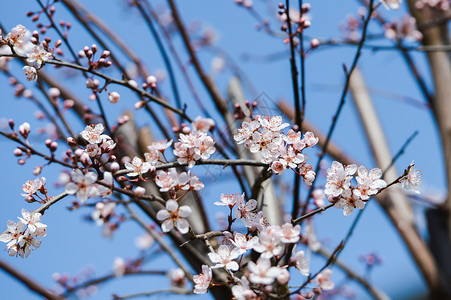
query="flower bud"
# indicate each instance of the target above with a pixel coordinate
(114, 167)
(139, 191)
(24, 129)
(114, 97)
(37, 170)
(18, 152)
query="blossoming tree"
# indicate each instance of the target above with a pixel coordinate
(152, 170)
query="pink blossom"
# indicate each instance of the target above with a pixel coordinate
(262, 271)
(301, 262)
(31, 73)
(229, 200)
(194, 146)
(137, 167)
(32, 187)
(368, 183)
(224, 258)
(339, 179)
(32, 221)
(412, 180)
(177, 277)
(244, 209)
(103, 212)
(203, 280)
(174, 216)
(242, 291)
(290, 233)
(119, 267)
(114, 97)
(241, 242)
(39, 55)
(93, 134)
(269, 242)
(83, 185)
(348, 201)
(17, 36)
(203, 124)
(391, 4)
(323, 280)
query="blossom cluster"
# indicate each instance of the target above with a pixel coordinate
(340, 191)
(405, 28)
(173, 181)
(98, 143)
(443, 5)
(19, 39)
(194, 146)
(270, 241)
(22, 236)
(281, 151)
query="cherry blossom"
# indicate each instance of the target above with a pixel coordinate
(274, 123)
(301, 262)
(119, 267)
(31, 73)
(412, 180)
(203, 280)
(203, 124)
(39, 55)
(93, 134)
(20, 237)
(166, 180)
(391, 4)
(12, 236)
(103, 212)
(229, 200)
(177, 277)
(243, 210)
(83, 185)
(290, 233)
(348, 202)
(32, 187)
(224, 258)
(262, 271)
(241, 242)
(323, 280)
(269, 242)
(17, 36)
(194, 146)
(339, 178)
(368, 183)
(171, 180)
(174, 216)
(242, 291)
(137, 167)
(114, 97)
(32, 221)
(144, 241)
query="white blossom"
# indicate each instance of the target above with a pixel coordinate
(174, 216)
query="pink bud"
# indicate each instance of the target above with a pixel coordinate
(139, 105)
(114, 167)
(18, 152)
(24, 129)
(71, 142)
(314, 43)
(69, 103)
(37, 170)
(283, 277)
(139, 191)
(114, 97)
(54, 92)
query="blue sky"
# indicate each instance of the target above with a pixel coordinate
(72, 244)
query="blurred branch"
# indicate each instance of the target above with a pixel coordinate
(28, 282)
(178, 291)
